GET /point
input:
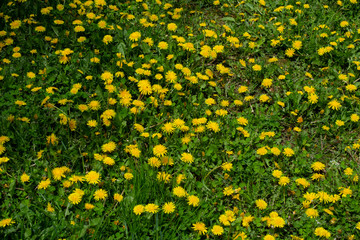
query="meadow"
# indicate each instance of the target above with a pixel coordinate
(167, 119)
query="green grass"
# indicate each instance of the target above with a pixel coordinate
(48, 97)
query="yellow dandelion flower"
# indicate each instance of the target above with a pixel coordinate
(187, 158)
(92, 177)
(284, 181)
(152, 208)
(24, 178)
(108, 147)
(100, 194)
(217, 230)
(193, 200)
(318, 166)
(159, 150)
(75, 198)
(261, 204)
(312, 213)
(6, 222)
(321, 232)
(334, 105)
(288, 152)
(168, 207)
(200, 228)
(214, 126)
(128, 176)
(138, 209)
(118, 197)
(44, 184)
(179, 191)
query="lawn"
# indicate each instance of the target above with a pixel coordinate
(166, 119)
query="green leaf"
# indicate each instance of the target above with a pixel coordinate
(56, 31)
(209, 152)
(231, 19)
(95, 221)
(121, 49)
(27, 233)
(83, 231)
(99, 91)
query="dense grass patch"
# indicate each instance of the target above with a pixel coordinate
(179, 119)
